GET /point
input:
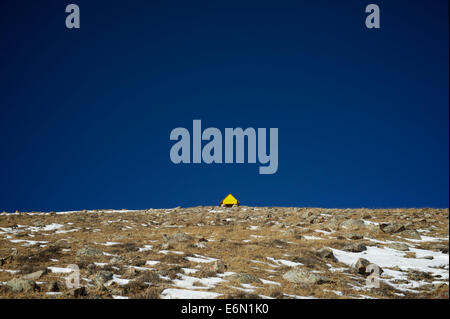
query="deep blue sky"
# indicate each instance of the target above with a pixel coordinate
(363, 115)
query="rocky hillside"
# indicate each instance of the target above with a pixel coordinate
(240, 252)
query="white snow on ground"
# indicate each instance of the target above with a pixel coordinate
(118, 280)
(253, 227)
(165, 252)
(151, 262)
(10, 271)
(284, 262)
(201, 259)
(324, 231)
(119, 297)
(368, 222)
(269, 282)
(146, 248)
(299, 297)
(172, 293)
(203, 283)
(50, 293)
(248, 290)
(46, 228)
(27, 242)
(60, 270)
(100, 264)
(188, 271)
(110, 243)
(387, 257)
(425, 239)
(67, 231)
(313, 238)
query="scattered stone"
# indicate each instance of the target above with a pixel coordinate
(302, 276)
(354, 236)
(177, 238)
(355, 247)
(89, 252)
(361, 265)
(116, 260)
(326, 253)
(411, 233)
(78, 292)
(21, 285)
(392, 228)
(245, 278)
(102, 277)
(353, 224)
(35, 275)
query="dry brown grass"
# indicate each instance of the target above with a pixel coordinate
(227, 236)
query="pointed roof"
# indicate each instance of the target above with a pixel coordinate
(229, 200)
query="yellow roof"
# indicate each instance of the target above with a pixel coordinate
(229, 200)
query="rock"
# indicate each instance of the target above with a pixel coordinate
(245, 278)
(427, 257)
(53, 286)
(299, 275)
(392, 228)
(102, 277)
(116, 260)
(398, 246)
(89, 252)
(62, 244)
(326, 253)
(131, 272)
(21, 285)
(355, 247)
(218, 266)
(353, 224)
(354, 236)
(78, 292)
(410, 233)
(35, 275)
(361, 265)
(177, 237)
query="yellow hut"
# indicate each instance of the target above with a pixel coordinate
(229, 201)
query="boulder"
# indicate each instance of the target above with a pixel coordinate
(302, 276)
(326, 253)
(354, 236)
(353, 224)
(78, 292)
(355, 247)
(398, 246)
(392, 228)
(411, 233)
(53, 286)
(89, 252)
(35, 275)
(102, 277)
(361, 265)
(245, 278)
(21, 285)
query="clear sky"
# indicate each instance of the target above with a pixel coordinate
(363, 115)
